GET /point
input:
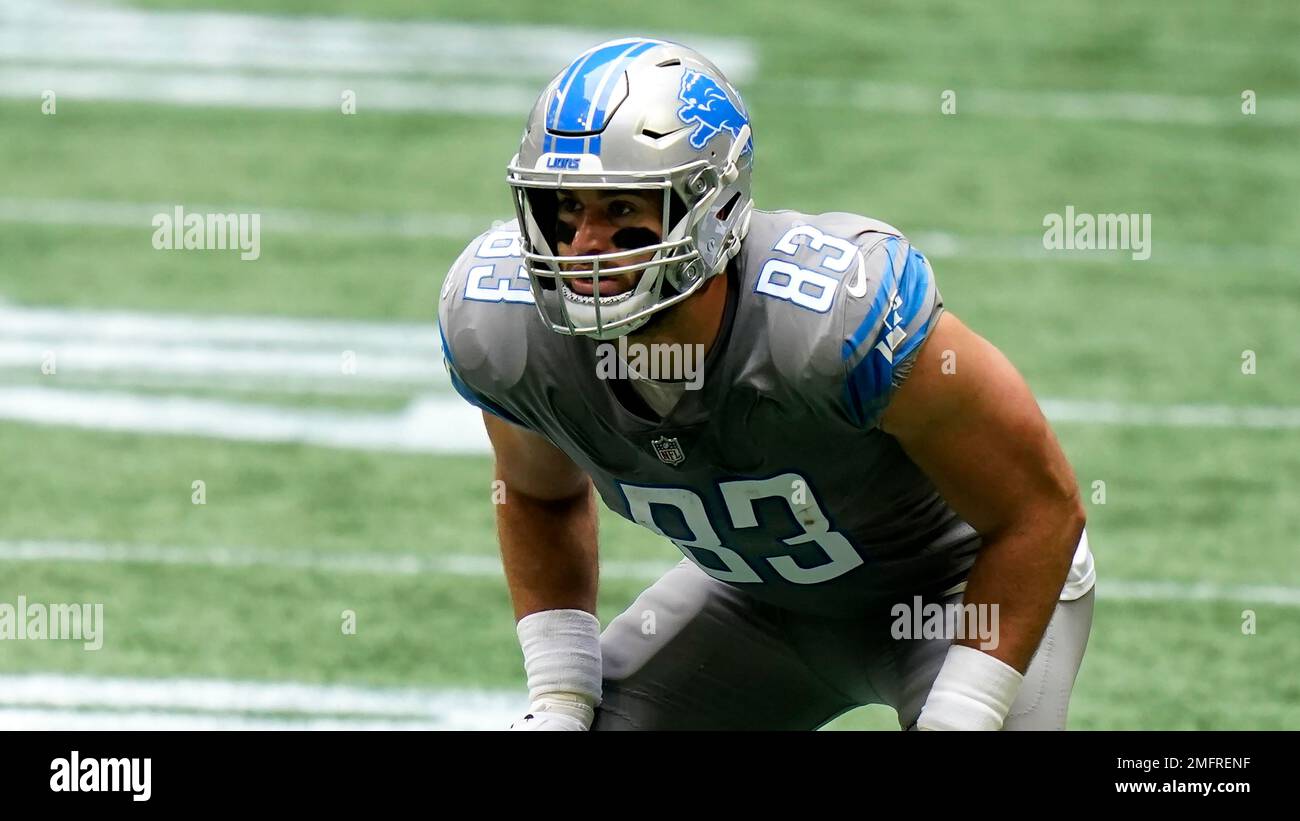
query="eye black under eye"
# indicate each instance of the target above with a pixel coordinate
(564, 232)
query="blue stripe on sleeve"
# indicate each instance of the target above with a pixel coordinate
(877, 304)
(868, 384)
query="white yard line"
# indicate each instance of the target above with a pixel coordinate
(230, 385)
(101, 355)
(1090, 106)
(125, 348)
(489, 566)
(444, 423)
(22, 718)
(93, 52)
(190, 88)
(486, 565)
(509, 98)
(67, 33)
(422, 371)
(1171, 416)
(139, 215)
(48, 700)
(1164, 591)
(43, 325)
(430, 424)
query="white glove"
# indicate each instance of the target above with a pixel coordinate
(557, 711)
(562, 660)
(973, 691)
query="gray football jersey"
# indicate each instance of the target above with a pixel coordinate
(773, 476)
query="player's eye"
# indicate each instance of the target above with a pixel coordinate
(621, 208)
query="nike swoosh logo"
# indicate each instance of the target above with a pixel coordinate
(858, 287)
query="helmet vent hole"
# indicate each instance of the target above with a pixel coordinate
(725, 211)
(667, 63)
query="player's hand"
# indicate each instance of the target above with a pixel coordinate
(557, 711)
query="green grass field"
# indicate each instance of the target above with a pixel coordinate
(1184, 505)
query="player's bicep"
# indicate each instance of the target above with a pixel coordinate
(529, 464)
(966, 417)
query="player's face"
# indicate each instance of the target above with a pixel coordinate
(601, 222)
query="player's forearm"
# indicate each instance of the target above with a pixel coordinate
(1021, 570)
(548, 548)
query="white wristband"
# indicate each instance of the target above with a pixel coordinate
(561, 653)
(974, 691)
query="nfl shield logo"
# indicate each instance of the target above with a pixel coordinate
(668, 450)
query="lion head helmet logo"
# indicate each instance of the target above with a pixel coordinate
(705, 105)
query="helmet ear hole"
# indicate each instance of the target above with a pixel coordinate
(725, 211)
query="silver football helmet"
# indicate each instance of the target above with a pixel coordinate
(634, 114)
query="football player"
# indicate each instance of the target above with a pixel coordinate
(852, 449)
